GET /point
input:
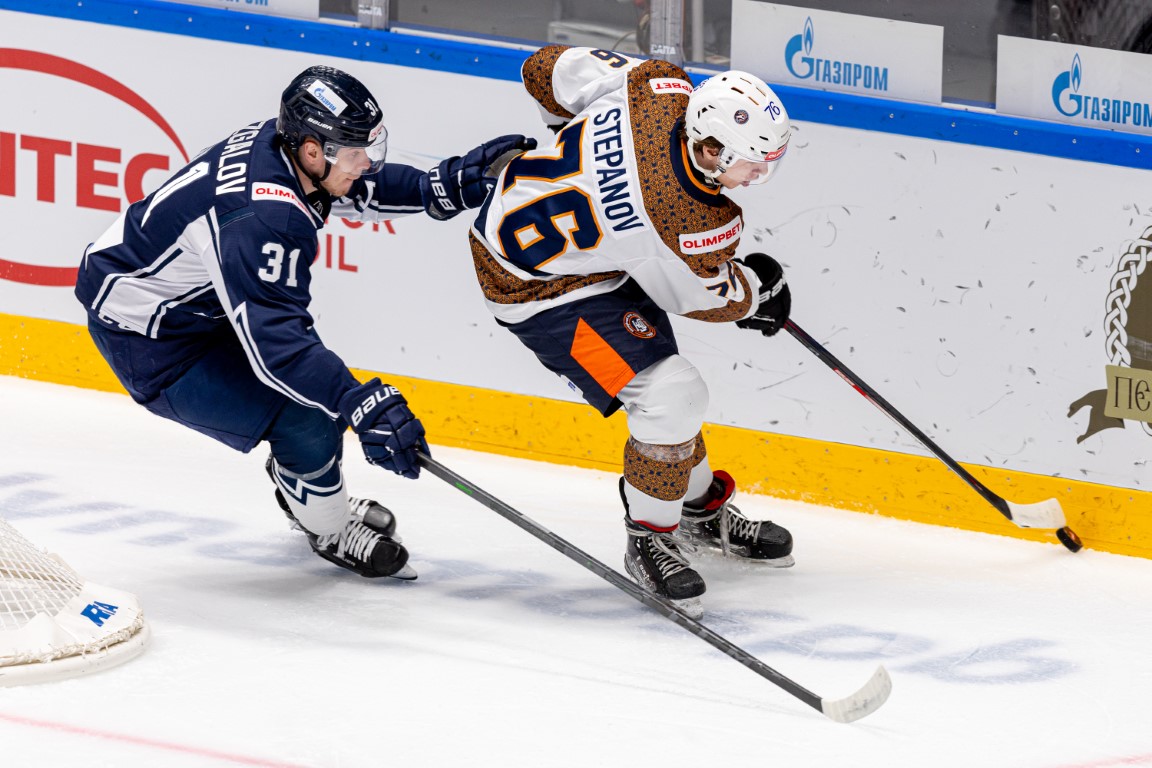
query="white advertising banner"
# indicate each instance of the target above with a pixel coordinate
(1090, 87)
(999, 300)
(297, 9)
(838, 51)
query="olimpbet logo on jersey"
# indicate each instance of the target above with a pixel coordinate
(838, 51)
(1076, 84)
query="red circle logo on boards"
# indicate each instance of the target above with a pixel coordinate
(97, 167)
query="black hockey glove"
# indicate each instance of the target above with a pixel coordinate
(464, 182)
(389, 433)
(775, 295)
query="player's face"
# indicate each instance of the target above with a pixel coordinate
(340, 166)
(734, 170)
(350, 166)
(350, 163)
(359, 160)
(339, 182)
(744, 173)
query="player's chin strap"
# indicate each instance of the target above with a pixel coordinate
(320, 200)
(711, 177)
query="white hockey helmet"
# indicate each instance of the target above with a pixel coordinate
(740, 111)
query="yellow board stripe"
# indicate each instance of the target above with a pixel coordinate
(849, 477)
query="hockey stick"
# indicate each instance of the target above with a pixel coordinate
(1042, 514)
(864, 702)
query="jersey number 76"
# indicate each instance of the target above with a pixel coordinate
(544, 228)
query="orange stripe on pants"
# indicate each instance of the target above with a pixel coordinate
(597, 357)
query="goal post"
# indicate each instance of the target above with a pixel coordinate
(56, 625)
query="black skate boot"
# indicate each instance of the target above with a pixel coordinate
(654, 561)
(718, 523)
(367, 545)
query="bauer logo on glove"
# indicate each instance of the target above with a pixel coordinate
(464, 182)
(389, 432)
(374, 398)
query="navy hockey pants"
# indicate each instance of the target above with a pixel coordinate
(218, 395)
(596, 345)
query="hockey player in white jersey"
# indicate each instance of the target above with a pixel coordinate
(587, 245)
(198, 299)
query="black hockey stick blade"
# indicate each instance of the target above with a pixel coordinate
(1041, 514)
(861, 703)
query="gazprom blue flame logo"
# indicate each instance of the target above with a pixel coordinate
(803, 65)
(1070, 101)
(799, 43)
(1065, 81)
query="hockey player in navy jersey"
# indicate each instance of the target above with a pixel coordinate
(586, 246)
(198, 298)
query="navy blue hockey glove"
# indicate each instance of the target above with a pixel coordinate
(775, 295)
(389, 433)
(464, 182)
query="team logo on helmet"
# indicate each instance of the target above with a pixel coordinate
(740, 117)
(638, 326)
(328, 97)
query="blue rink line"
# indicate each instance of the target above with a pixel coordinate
(940, 123)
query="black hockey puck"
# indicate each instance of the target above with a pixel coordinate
(1069, 539)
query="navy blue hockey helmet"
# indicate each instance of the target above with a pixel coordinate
(335, 109)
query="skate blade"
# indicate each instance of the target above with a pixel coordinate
(407, 573)
(778, 562)
(740, 554)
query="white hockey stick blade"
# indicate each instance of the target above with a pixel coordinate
(862, 703)
(1042, 514)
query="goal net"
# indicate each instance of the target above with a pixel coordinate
(53, 623)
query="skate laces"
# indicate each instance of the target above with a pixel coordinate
(359, 507)
(729, 519)
(356, 540)
(664, 551)
(733, 524)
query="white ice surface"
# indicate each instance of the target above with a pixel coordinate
(1003, 653)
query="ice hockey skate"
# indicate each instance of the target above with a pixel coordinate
(717, 523)
(654, 561)
(367, 545)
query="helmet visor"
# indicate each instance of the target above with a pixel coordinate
(358, 161)
(744, 171)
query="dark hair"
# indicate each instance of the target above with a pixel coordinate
(707, 141)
